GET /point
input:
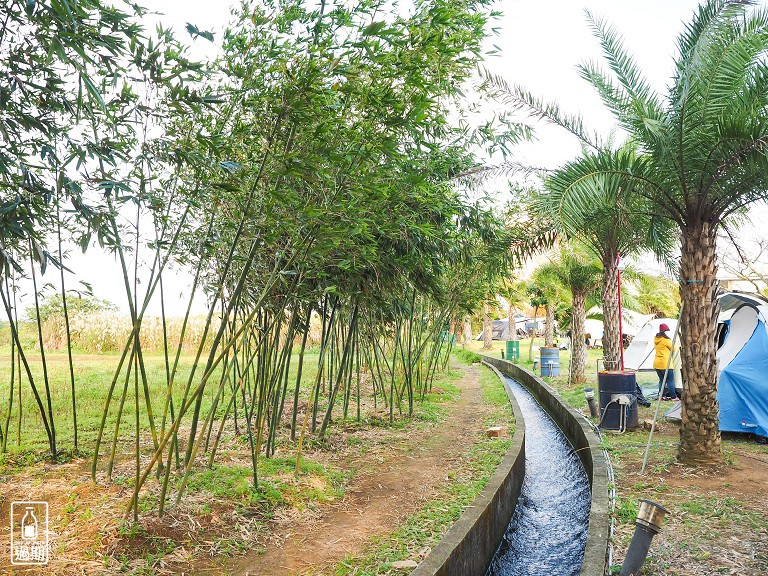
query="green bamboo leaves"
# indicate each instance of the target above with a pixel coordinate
(304, 182)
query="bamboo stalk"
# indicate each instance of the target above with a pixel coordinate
(67, 330)
(46, 382)
(299, 373)
(25, 363)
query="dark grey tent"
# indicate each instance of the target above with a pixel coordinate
(501, 329)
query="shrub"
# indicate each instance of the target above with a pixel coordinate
(467, 356)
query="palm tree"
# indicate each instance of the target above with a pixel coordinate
(706, 144)
(514, 291)
(555, 292)
(536, 299)
(581, 274)
(702, 158)
(590, 199)
(487, 327)
(608, 217)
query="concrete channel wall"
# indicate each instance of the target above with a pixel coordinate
(473, 539)
(580, 433)
(471, 542)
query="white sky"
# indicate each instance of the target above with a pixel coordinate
(544, 42)
(541, 42)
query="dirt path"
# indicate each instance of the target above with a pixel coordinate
(389, 484)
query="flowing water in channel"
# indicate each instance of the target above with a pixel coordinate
(548, 531)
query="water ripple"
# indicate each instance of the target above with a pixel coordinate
(548, 531)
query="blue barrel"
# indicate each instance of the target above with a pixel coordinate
(613, 414)
(550, 361)
(513, 350)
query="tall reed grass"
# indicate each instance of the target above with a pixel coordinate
(99, 332)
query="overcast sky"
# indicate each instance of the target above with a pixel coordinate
(541, 43)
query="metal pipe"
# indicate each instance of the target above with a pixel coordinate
(621, 312)
(661, 391)
(594, 411)
(647, 525)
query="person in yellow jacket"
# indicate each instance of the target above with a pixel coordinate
(663, 346)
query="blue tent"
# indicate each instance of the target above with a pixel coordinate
(743, 363)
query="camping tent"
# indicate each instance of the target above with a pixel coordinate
(640, 353)
(742, 359)
(632, 322)
(500, 328)
(595, 329)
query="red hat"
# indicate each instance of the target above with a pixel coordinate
(663, 327)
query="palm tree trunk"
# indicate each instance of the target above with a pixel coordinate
(467, 330)
(511, 323)
(578, 346)
(487, 328)
(611, 335)
(549, 331)
(699, 433)
(533, 334)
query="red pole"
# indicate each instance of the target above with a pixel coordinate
(621, 315)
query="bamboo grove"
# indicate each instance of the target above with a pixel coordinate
(306, 180)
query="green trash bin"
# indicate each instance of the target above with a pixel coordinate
(513, 350)
(448, 337)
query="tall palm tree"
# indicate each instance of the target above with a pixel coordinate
(514, 291)
(604, 213)
(592, 200)
(487, 327)
(706, 144)
(536, 299)
(702, 159)
(555, 292)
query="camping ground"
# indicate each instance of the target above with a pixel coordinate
(389, 492)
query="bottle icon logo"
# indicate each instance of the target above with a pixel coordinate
(29, 524)
(29, 533)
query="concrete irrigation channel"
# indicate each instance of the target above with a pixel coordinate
(546, 510)
(548, 531)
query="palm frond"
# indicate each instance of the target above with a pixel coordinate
(600, 198)
(691, 36)
(724, 67)
(662, 241)
(528, 238)
(520, 99)
(481, 174)
(644, 101)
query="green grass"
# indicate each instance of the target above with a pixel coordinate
(93, 375)
(434, 404)
(278, 485)
(466, 356)
(231, 484)
(495, 395)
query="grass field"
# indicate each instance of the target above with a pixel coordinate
(93, 375)
(223, 493)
